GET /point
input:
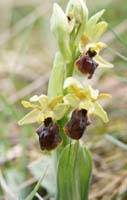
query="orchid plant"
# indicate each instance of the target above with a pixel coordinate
(65, 112)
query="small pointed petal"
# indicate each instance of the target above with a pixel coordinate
(104, 95)
(27, 104)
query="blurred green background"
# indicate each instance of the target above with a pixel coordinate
(27, 49)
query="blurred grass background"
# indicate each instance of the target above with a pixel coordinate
(27, 49)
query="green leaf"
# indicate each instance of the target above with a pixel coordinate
(32, 194)
(55, 87)
(74, 173)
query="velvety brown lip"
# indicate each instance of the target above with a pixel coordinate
(86, 64)
(77, 124)
(48, 133)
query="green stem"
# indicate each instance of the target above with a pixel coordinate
(69, 69)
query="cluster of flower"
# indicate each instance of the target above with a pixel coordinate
(78, 42)
(78, 101)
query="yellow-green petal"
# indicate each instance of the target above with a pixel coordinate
(27, 104)
(104, 95)
(30, 118)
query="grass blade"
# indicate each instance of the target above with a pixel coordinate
(116, 142)
(32, 194)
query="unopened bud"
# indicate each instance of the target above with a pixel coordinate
(60, 27)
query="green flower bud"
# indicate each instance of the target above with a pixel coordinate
(60, 28)
(78, 12)
(77, 9)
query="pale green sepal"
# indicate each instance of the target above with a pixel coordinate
(60, 27)
(74, 173)
(55, 87)
(60, 110)
(30, 118)
(92, 22)
(71, 100)
(99, 30)
(103, 63)
(99, 111)
(87, 105)
(71, 81)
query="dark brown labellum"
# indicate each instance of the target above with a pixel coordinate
(48, 133)
(86, 64)
(77, 124)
